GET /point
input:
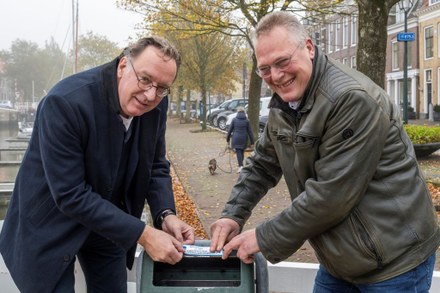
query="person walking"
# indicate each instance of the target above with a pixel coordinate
(358, 195)
(240, 130)
(97, 152)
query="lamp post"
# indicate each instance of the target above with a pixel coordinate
(405, 6)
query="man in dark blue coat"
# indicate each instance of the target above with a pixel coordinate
(97, 152)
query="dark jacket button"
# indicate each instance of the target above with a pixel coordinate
(67, 258)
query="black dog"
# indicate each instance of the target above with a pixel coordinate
(212, 166)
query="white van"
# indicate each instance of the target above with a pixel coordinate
(264, 111)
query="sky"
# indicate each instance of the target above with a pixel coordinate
(38, 20)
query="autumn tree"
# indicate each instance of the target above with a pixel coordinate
(94, 49)
(210, 60)
(32, 70)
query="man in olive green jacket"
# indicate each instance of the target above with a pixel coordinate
(357, 192)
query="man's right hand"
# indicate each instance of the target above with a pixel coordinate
(161, 246)
(222, 231)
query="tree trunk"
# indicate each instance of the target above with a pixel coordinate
(372, 46)
(254, 98)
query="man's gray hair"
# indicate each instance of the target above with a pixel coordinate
(280, 19)
(162, 44)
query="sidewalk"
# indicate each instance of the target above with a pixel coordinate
(189, 152)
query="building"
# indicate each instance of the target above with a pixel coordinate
(429, 52)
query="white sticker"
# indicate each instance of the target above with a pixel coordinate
(195, 250)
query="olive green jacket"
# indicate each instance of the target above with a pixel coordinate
(357, 192)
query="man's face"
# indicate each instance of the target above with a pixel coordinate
(274, 49)
(150, 65)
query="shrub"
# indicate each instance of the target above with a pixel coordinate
(436, 108)
(420, 134)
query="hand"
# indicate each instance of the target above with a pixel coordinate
(246, 245)
(179, 229)
(160, 246)
(222, 231)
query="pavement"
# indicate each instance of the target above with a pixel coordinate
(190, 150)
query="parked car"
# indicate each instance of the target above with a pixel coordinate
(6, 104)
(264, 111)
(230, 105)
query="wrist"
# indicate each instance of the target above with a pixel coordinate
(163, 215)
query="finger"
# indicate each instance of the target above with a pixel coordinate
(214, 239)
(227, 249)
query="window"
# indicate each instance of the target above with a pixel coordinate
(354, 30)
(324, 45)
(344, 32)
(428, 87)
(338, 35)
(429, 42)
(438, 39)
(395, 55)
(432, 2)
(331, 37)
(345, 61)
(353, 62)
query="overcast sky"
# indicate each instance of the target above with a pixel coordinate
(38, 20)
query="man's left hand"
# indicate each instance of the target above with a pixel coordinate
(179, 229)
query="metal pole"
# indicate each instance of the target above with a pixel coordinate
(405, 73)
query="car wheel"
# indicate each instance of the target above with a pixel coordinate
(221, 123)
(214, 121)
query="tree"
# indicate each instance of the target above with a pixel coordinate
(32, 70)
(210, 61)
(94, 50)
(372, 45)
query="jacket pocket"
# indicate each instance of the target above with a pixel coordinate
(348, 250)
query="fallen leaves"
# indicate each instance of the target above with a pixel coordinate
(186, 208)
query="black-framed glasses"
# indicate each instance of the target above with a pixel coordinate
(145, 84)
(280, 64)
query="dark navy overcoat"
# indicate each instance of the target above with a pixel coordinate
(240, 130)
(67, 176)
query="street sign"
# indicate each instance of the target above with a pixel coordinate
(406, 37)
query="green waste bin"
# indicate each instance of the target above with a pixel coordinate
(202, 274)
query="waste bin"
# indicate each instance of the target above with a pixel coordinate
(212, 274)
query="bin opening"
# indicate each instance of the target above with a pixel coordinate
(198, 272)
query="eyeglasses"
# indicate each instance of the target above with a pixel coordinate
(280, 64)
(145, 84)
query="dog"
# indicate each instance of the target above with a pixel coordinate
(212, 166)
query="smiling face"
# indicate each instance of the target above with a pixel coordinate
(274, 47)
(152, 65)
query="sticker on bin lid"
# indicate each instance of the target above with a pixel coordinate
(196, 250)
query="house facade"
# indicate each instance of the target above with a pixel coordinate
(336, 35)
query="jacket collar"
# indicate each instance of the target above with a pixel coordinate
(110, 84)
